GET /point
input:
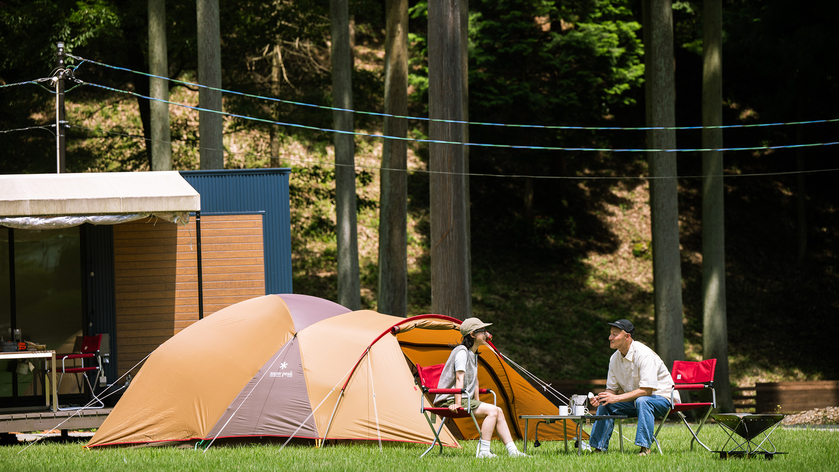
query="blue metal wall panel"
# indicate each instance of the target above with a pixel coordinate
(253, 191)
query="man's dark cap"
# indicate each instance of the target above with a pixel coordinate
(625, 325)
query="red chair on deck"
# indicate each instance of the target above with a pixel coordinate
(429, 378)
(688, 375)
(90, 362)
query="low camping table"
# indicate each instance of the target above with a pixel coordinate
(577, 419)
(751, 428)
(51, 390)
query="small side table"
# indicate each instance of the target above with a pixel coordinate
(578, 420)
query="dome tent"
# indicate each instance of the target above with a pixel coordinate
(282, 366)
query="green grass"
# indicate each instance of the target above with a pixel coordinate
(808, 450)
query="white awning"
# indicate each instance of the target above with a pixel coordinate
(114, 195)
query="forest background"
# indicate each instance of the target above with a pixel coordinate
(560, 240)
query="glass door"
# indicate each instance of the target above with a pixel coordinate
(46, 305)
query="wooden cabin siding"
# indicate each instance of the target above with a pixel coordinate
(157, 279)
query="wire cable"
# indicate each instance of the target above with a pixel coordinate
(469, 174)
(477, 123)
(438, 141)
(35, 81)
(43, 127)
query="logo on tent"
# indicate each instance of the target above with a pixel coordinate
(282, 374)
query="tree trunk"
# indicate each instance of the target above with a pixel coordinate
(274, 131)
(664, 207)
(161, 147)
(464, 61)
(715, 321)
(349, 287)
(450, 278)
(393, 210)
(210, 125)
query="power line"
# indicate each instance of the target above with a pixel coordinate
(469, 174)
(35, 81)
(437, 141)
(44, 127)
(477, 123)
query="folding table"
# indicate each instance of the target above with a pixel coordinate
(577, 419)
(751, 428)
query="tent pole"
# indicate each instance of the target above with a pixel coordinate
(375, 407)
(332, 416)
(200, 272)
(317, 408)
(276, 358)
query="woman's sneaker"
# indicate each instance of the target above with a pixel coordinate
(485, 455)
(517, 454)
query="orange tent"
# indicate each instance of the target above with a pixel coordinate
(282, 366)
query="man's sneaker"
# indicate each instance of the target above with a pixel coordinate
(517, 454)
(645, 451)
(485, 455)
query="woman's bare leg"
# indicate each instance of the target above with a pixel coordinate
(493, 420)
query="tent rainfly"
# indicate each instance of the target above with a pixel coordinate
(292, 366)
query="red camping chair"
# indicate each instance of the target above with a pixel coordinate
(689, 375)
(429, 377)
(91, 362)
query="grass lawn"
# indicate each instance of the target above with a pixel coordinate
(808, 450)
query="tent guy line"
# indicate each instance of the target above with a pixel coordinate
(281, 353)
(58, 426)
(315, 409)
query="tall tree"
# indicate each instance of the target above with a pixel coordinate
(161, 148)
(464, 63)
(276, 77)
(393, 216)
(349, 286)
(450, 274)
(210, 125)
(664, 207)
(714, 315)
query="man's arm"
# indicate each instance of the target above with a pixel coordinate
(607, 397)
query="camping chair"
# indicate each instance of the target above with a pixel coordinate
(429, 378)
(689, 375)
(91, 361)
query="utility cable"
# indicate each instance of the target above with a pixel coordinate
(471, 174)
(43, 127)
(477, 123)
(35, 81)
(438, 141)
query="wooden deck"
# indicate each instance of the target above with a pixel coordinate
(24, 422)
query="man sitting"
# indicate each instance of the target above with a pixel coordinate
(638, 384)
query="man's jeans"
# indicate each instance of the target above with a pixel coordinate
(646, 408)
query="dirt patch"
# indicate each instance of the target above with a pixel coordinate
(829, 415)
